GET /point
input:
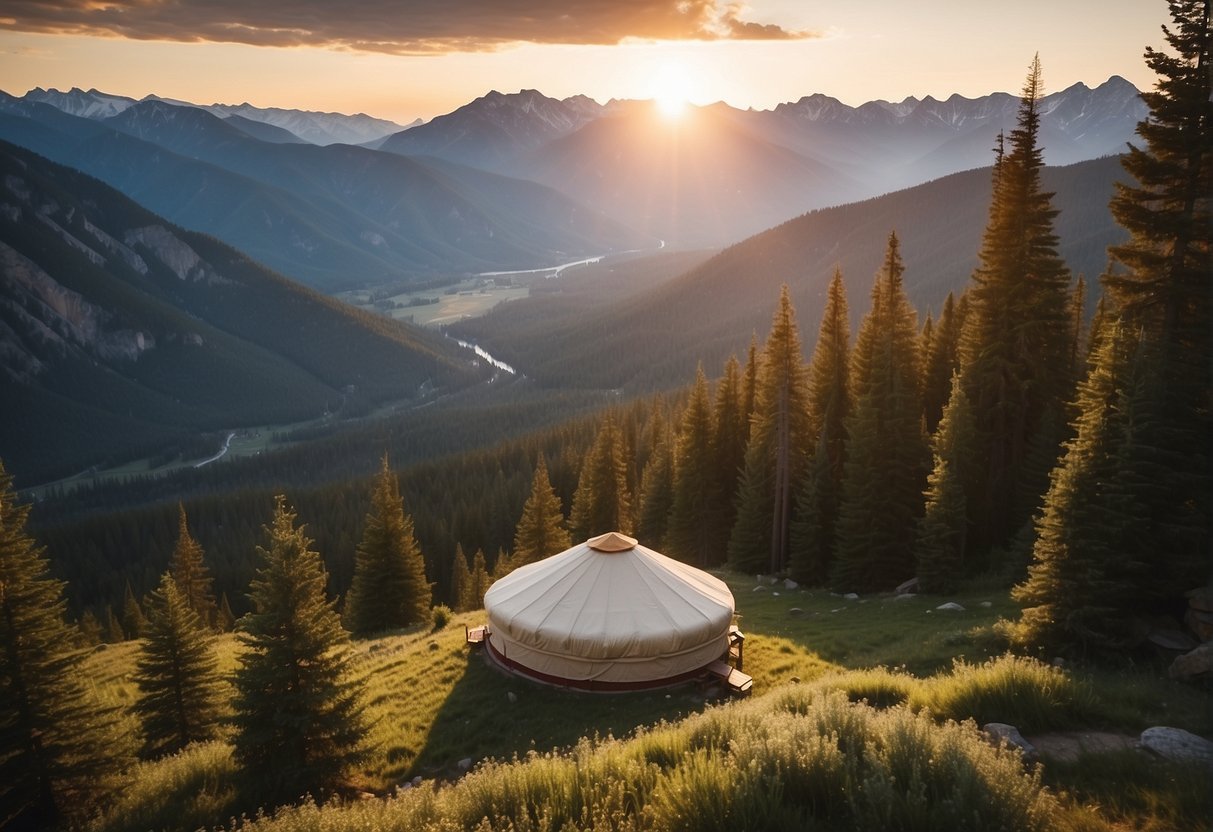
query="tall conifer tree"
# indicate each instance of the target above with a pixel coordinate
(180, 690)
(656, 492)
(1162, 287)
(780, 435)
(694, 529)
(133, 620)
(58, 748)
(189, 570)
(603, 502)
(882, 492)
(461, 581)
(940, 361)
(389, 589)
(1015, 367)
(540, 532)
(944, 527)
(732, 429)
(299, 711)
(829, 408)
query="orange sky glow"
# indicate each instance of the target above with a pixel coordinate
(423, 58)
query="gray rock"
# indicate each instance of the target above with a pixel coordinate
(1171, 639)
(1177, 744)
(776, 594)
(1197, 662)
(788, 583)
(951, 606)
(998, 732)
(987, 604)
(759, 588)
(907, 586)
(464, 764)
(510, 695)
(902, 597)
(795, 612)
(772, 580)
(416, 781)
(851, 596)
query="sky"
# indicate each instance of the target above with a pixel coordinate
(407, 59)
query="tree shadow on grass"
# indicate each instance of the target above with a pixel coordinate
(480, 720)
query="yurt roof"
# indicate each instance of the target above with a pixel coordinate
(610, 598)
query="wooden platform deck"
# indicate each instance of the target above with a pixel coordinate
(736, 681)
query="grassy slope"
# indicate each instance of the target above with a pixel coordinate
(436, 703)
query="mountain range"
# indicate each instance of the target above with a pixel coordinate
(331, 217)
(121, 333)
(716, 175)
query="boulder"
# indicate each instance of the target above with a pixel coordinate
(907, 586)
(464, 764)
(952, 606)
(1177, 744)
(905, 596)
(1200, 623)
(759, 588)
(788, 583)
(1200, 598)
(851, 596)
(1197, 662)
(796, 612)
(1170, 639)
(1000, 732)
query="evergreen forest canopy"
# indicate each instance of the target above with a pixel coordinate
(1015, 436)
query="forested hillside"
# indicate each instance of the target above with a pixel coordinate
(654, 339)
(124, 334)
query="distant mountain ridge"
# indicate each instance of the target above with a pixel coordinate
(308, 126)
(333, 217)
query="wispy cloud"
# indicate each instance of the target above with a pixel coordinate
(394, 26)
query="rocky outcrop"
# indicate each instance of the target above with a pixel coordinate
(1193, 664)
(173, 252)
(1177, 745)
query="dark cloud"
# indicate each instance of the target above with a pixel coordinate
(393, 26)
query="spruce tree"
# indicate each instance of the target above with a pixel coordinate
(780, 437)
(180, 690)
(1091, 563)
(133, 620)
(461, 582)
(540, 532)
(480, 581)
(603, 502)
(944, 527)
(1161, 286)
(112, 632)
(749, 384)
(830, 406)
(694, 532)
(190, 572)
(886, 453)
(225, 622)
(731, 424)
(656, 493)
(298, 709)
(940, 361)
(58, 748)
(1015, 344)
(389, 589)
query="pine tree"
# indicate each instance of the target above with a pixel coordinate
(180, 690)
(190, 571)
(603, 502)
(461, 581)
(732, 429)
(112, 632)
(389, 589)
(225, 621)
(1162, 287)
(749, 384)
(1093, 551)
(830, 406)
(944, 527)
(1015, 344)
(694, 531)
(940, 361)
(777, 451)
(540, 532)
(133, 620)
(882, 492)
(88, 629)
(58, 748)
(656, 493)
(479, 583)
(298, 710)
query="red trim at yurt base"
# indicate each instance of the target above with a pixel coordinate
(591, 684)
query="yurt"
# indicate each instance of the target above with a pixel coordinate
(609, 614)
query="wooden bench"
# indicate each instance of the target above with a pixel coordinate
(476, 635)
(736, 681)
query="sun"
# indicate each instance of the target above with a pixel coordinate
(670, 87)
